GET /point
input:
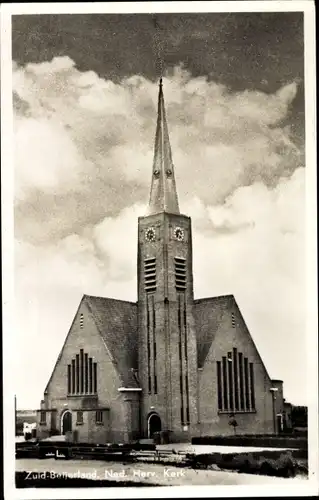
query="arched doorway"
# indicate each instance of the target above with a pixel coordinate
(154, 424)
(66, 422)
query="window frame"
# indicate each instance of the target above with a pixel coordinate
(99, 421)
(43, 421)
(81, 420)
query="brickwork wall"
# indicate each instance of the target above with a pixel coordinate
(108, 382)
(167, 402)
(218, 316)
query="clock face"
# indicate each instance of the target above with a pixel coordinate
(179, 233)
(150, 234)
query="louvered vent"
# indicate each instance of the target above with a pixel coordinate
(150, 274)
(180, 274)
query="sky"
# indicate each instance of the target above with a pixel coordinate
(84, 94)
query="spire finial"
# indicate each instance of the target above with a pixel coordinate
(163, 197)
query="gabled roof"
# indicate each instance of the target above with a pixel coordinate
(207, 324)
(116, 321)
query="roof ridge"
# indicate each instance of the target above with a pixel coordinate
(228, 295)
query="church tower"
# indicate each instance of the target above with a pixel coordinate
(167, 338)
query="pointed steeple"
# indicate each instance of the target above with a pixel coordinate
(163, 197)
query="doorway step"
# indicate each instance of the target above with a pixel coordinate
(146, 441)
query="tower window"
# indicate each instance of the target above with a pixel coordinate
(150, 274)
(81, 320)
(180, 274)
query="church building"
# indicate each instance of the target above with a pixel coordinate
(167, 363)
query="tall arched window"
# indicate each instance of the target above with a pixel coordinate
(235, 383)
(82, 375)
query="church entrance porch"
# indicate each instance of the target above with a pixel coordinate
(66, 422)
(154, 425)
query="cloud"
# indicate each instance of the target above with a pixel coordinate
(83, 134)
(83, 156)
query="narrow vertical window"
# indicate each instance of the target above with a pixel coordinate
(182, 399)
(73, 376)
(185, 332)
(69, 379)
(187, 399)
(148, 346)
(77, 374)
(95, 378)
(179, 315)
(90, 375)
(252, 388)
(225, 385)
(81, 371)
(86, 373)
(241, 380)
(219, 385)
(81, 320)
(99, 417)
(79, 417)
(230, 380)
(235, 367)
(181, 355)
(187, 415)
(154, 346)
(247, 405)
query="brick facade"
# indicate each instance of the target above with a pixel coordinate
(115, 335)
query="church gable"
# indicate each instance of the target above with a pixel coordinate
(83, 346)
(232, 376)
(97, 341)
(221, 328)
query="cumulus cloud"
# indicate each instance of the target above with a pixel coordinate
(83, 156)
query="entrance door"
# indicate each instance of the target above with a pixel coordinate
(154, 424)
(66, 422)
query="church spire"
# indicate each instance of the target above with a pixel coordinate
(163, 197)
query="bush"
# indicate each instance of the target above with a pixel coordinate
(269, 441)
(282, 466)
(246, 463)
